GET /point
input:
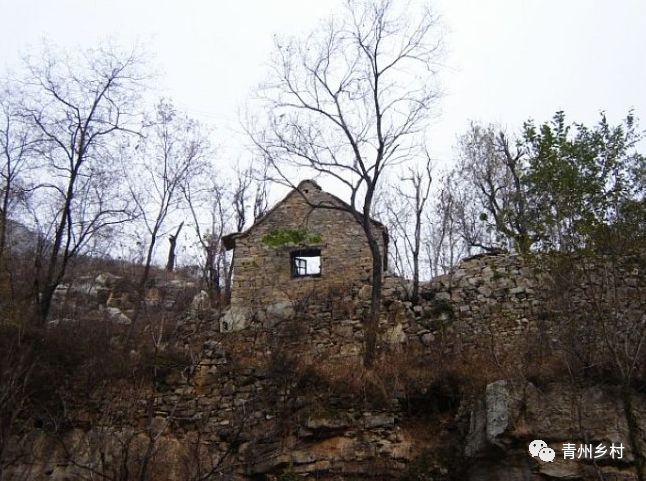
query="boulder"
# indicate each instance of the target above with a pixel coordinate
(328, 423)
(497, 401)
(365, 292)
(510, 415)
(379, 420)
(235, 319)
(105, 279)
(200, 304)
(115, 315)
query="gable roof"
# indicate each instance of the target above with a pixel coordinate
(302, 188)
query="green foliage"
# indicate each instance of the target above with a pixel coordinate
(562, 186)
(281, 237)
(440, 315)
(442, 308)
(581, 180)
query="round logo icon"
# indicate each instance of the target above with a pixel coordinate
(536, 446)
(546, 455)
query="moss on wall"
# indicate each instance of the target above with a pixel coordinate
(281, 237)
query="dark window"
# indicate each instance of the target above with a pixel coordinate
(306, 263)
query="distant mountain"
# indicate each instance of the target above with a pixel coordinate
(22, 240)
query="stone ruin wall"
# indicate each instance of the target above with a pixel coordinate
(502, 301)
(262, 273)
(492, 303)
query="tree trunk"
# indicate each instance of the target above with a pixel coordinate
(45, 302)
(415, 293)
(172, 239)
(3, 221)
(372, 321)
(146, 273)
(55, 272)
(141, 288)
(212, 273)
(416, 249)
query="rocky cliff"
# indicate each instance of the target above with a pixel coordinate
(580, 423)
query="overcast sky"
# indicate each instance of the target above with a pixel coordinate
(506, 60)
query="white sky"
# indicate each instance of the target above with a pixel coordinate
(507, 59)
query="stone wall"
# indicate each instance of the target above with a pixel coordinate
(255, 405)
(263, 273)
(242, 411)
(495, 302)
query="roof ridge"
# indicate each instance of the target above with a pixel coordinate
(229, 239)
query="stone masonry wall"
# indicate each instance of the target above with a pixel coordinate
(496, 301)
(262, 272)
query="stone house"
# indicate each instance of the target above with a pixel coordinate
(297, 250)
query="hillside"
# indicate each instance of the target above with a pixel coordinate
(499, 352)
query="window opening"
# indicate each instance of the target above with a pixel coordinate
(306, 263)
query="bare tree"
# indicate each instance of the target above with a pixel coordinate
(16, 365)
(112, 450)
(172, 154)
(81, 106)
(624, 335)
(249, 194)
(443, 244)
(210, 198)
(18, 143)
(406, 212)
(493, 170)
(349, 101)
(607, 338)
(18, 150)
(217, 206)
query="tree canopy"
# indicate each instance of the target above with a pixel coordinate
(557, 186)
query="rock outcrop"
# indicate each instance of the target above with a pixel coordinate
(567, 417)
